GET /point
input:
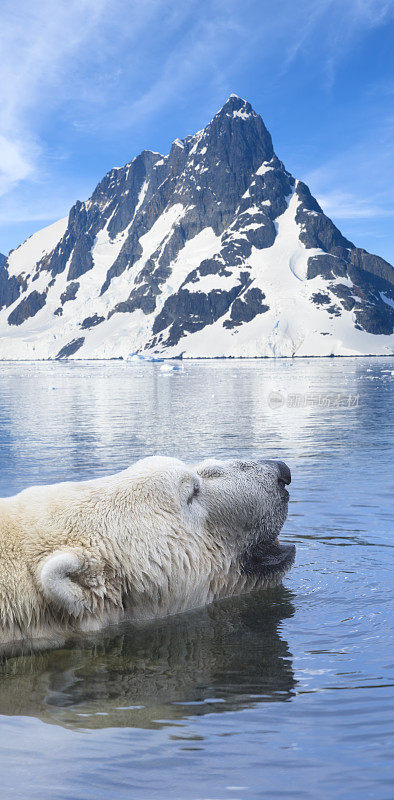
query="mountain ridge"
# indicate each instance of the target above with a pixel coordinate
(213, 250)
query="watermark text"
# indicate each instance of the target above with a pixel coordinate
(278, 400)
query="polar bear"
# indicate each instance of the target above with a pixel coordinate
(155, 539)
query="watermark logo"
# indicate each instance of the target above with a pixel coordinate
(277, 400)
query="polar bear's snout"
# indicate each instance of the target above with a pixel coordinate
(284, 474)
(246, 498)
(247, 504)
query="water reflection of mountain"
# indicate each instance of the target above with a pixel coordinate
(225, 657)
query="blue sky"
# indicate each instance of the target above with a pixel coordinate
(87, 84)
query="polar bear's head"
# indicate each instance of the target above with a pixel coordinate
(205, 531)
(162, 537)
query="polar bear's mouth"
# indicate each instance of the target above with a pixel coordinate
(267, 559)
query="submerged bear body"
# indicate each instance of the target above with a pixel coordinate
(156, 539)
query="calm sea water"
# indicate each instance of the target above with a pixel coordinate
(284, 694)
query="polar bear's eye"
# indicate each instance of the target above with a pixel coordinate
(193, 494)
(211, 472)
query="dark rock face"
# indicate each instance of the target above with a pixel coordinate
(375, 320)
(90, 322)
(28, 307)
(317, 229)
(210, 266)
(320, 299)
(141, 298)
(334, 310)
(344, 293)
(246, 308)
(2, 259)
(81, 260)
(71, 348)
(364, 261)
(187, 312)
(70, 293)
(373, 294)
(372, 288)
(329, 267)
(10, 286)
(129, 253)
(370, 275)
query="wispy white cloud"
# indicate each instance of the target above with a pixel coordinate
(83, 58)
(103, 65)
(348, 205)
(53, 52)
(220, 37)
(329, 28)
(356, 17)
(356, 183)
(35, 44)
(17, 159)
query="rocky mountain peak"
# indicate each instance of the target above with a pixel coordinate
(212, 250)
(237, 127)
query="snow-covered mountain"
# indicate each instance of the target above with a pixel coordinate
(212, 250)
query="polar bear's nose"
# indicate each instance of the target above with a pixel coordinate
(283, 471)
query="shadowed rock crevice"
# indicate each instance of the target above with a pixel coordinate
(90, 322)
(71, 348)
(317, 230)
(10, 286)
(28, 307)
(70, 293)
(187, 312)
(246, 308)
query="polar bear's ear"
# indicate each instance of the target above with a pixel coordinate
(59, 582)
